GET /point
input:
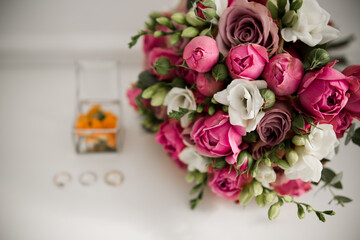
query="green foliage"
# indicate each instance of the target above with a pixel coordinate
(145, 80)
(178, 114)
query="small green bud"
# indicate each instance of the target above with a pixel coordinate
(282, 163)
(220, 72)
(225, 108)
(189, 32)
(209, 13)
(158, 99)
(214, 101)
(321, 216)
(199, 178)
(245, 196)
(296, 5)
(269, 98)
(162, 66)
(241, 158)
(281, 5)
(206, 32)
(150, 91)
(194, 20)
(190, 177)
(269, 197)
(292, 157)
(273, 8)
(301, 212)
(298, 140)
(260, 201)
(267, 162)
(158, 34)
(155, 15)
(164, 21)
(288, 198)
(257, 188)
(329, 212)
(290, 18)
(309, 209)
(175, 38)
(211, 110)
(179, 18)
(209, 3)
(200, 108)
(274, 211)
(150, 25)
(318, 58)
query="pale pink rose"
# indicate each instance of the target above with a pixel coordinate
(246, 61)
(226, 184)
(208, 87)
(169, 53)
(214, 136)
(323, 94)
(169, 136)
(201, 53)
(353, 105)
(283, 74)
(341, 122)
(132, 93)
(284, 186)
(247, 22)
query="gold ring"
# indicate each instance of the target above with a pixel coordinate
(114, 178)
(87, 178)
(60, 179)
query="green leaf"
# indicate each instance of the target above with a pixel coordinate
(336, 179)
(331, 178)
(356, 137)
(219, 163)
(145, 80)
(341, 200)
(349, 135)
(178, 114)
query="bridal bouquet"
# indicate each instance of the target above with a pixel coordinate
(245, 96)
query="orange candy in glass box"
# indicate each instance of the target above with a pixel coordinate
(96, 130)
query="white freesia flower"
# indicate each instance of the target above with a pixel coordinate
(307, 168)
(244, 100)
(194, 160)
(265, 174)
(221, 5)
(180, 98)
(321, 141)
(312, 27)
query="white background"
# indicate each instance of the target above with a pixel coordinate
(39, 40)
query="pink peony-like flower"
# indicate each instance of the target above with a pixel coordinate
(214, 136)
(226, 184)
(169, 53)
(283, 74)
(341, 122)
(323, 94)
(247, 22)
(208, 87)
(169, 136)
(284, 186)
(201, 53)
(353, 105)
(246, 61)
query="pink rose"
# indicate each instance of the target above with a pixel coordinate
(323, 93)
(132, 93)
(284, 186)
(246, 22)
(283, 74)
(341, 122)
(201, 53)
(353, 105)
(150, 42)
(246, 61)
(169, 53)
(226, 184)
(214, 136)
(169, 136)
(208, 87)
(259, 148)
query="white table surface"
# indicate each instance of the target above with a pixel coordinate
(37, 101)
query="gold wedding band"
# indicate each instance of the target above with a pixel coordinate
(87, 178)
(114, 178)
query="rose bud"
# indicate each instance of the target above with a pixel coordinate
(283, 74)
(208, 86)
(206, 9)
(201, 53)
(170, 54)
(246, 61)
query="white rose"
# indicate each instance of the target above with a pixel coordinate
(265, 174)
(312, 27)
(194, 160)
(307, 168)
(180, 98)
(321, 141)
(244, 100)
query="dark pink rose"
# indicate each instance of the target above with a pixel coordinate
(353, 105)
(201, 53)
(132, 93)
(323, 93)
(275, 124)
(283, 74)
(187, 74)
(246, 61)
(208, 87)
(247, 22)
(169, 136)
(263, 2)
(150, 42)
(341, 122)
(169, 53)
(284, 186)
(214, 136)
(226, 184)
